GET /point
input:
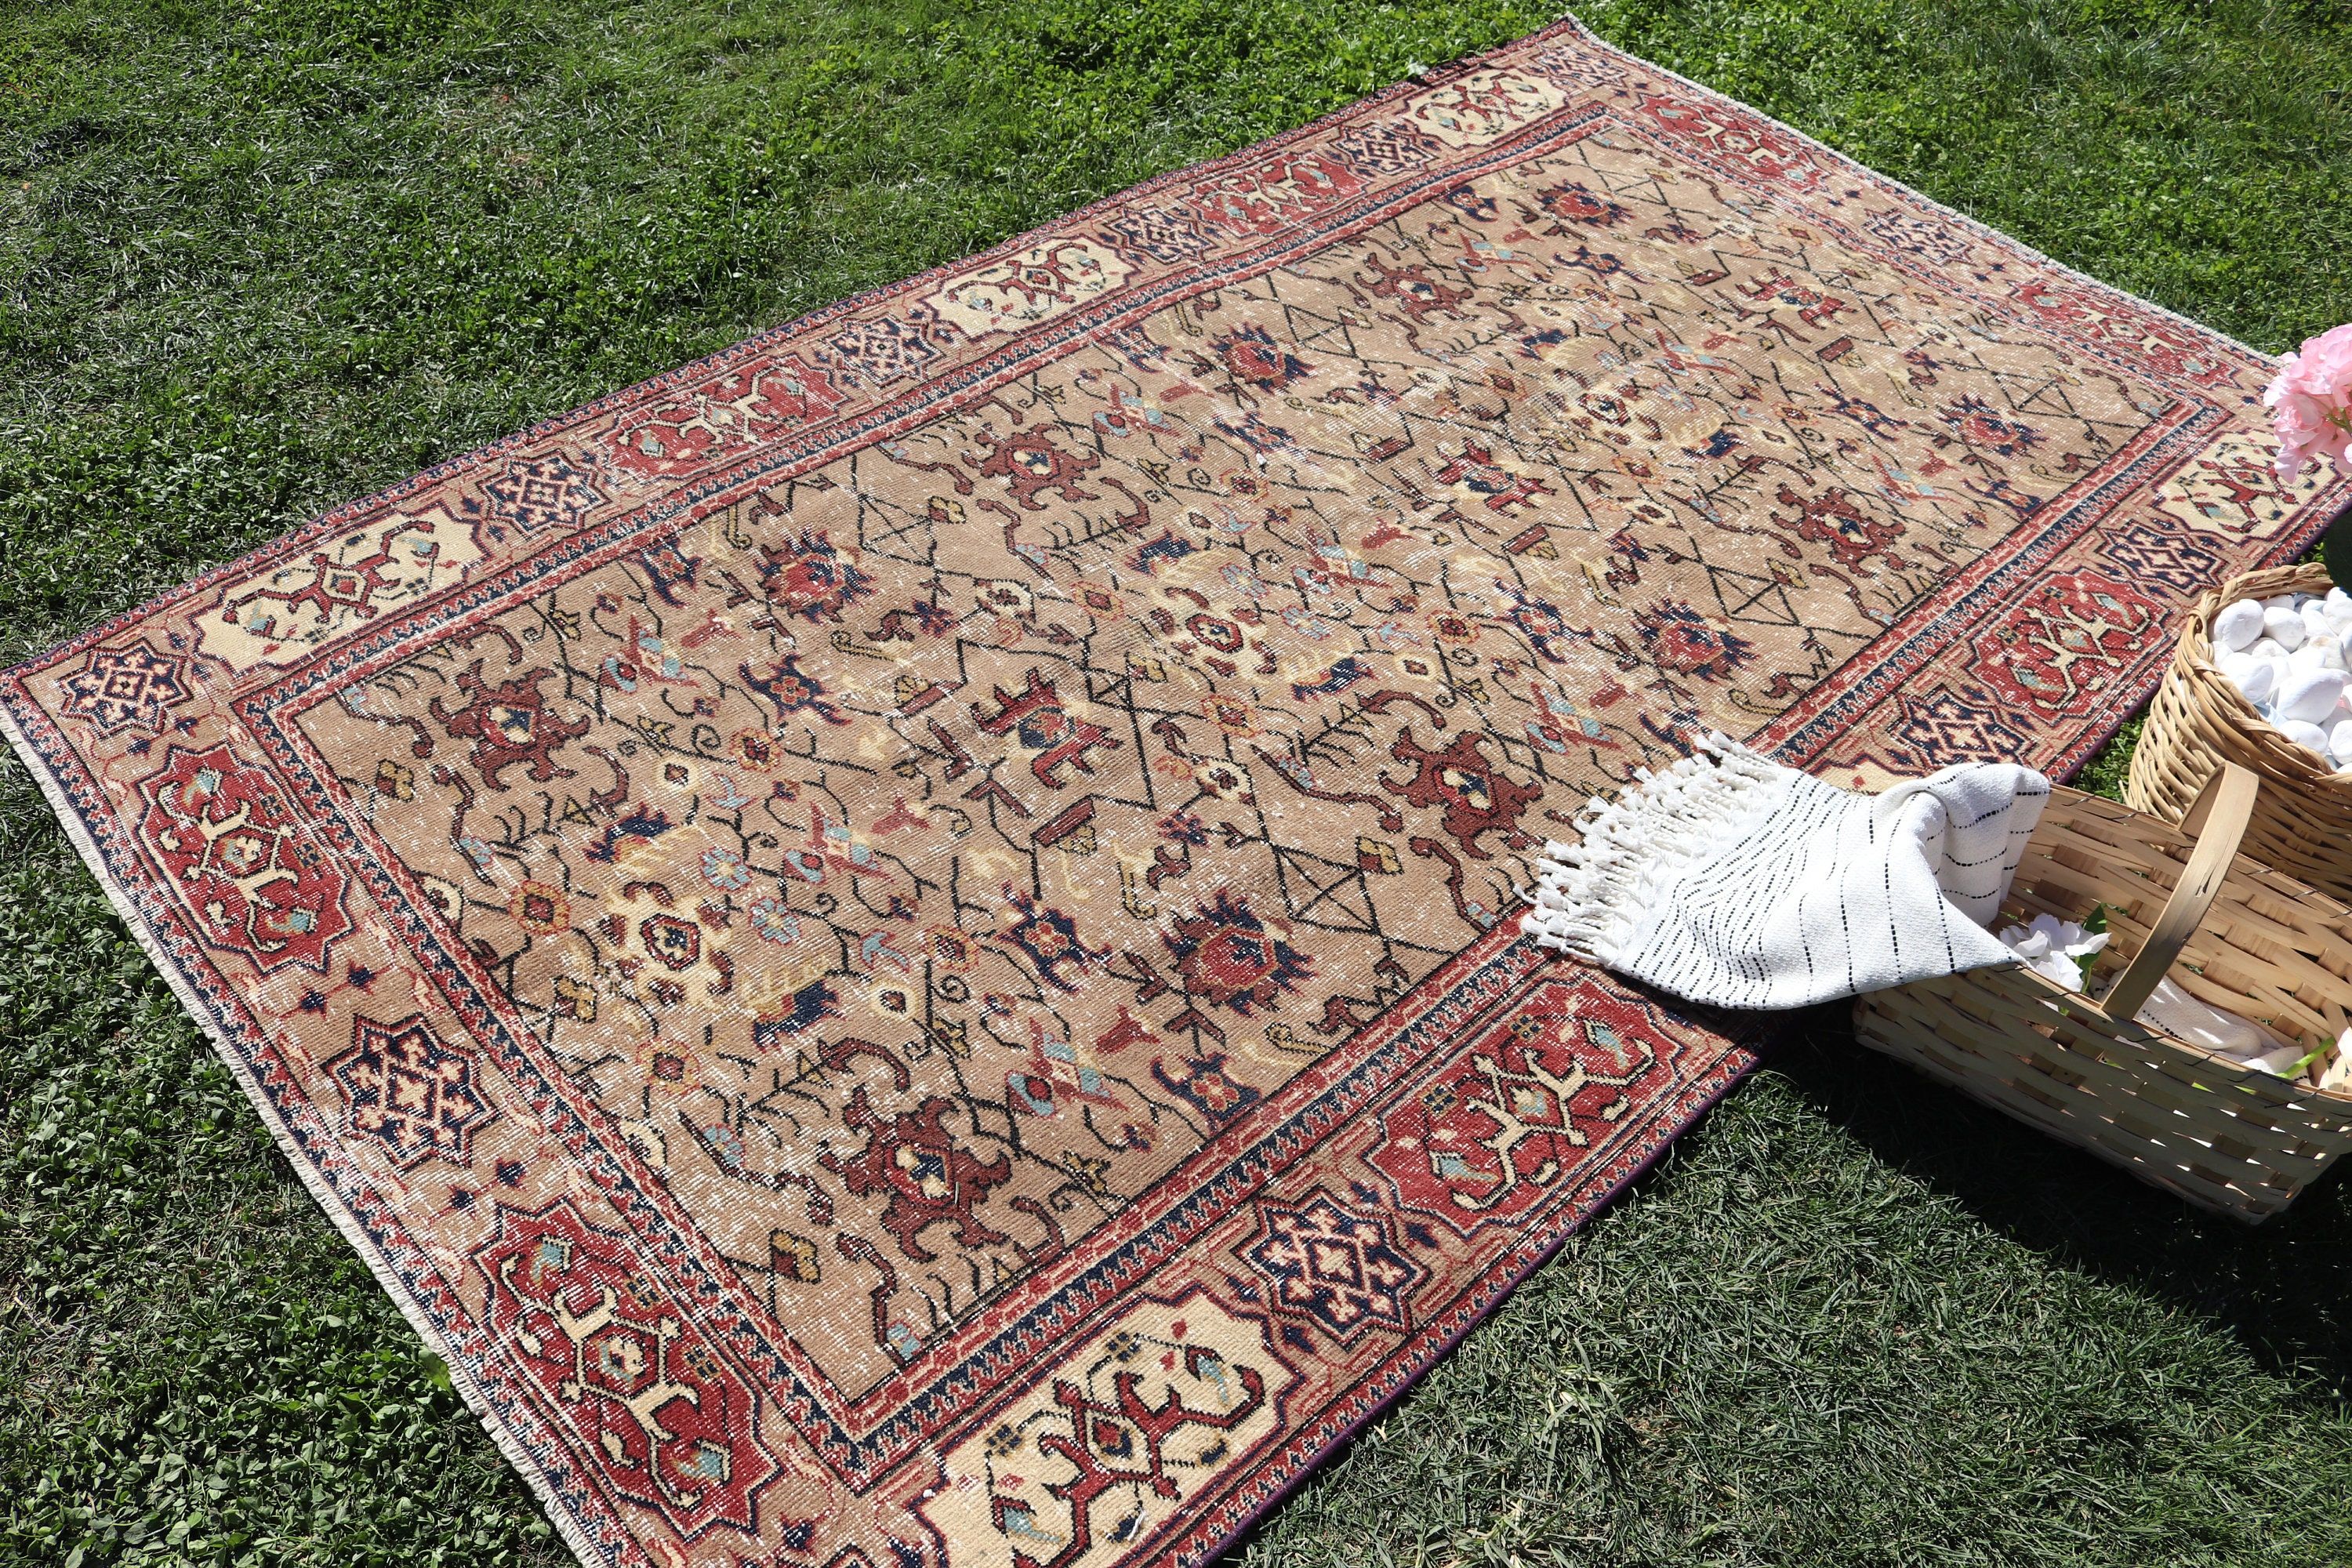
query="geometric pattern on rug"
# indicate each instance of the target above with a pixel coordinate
(897, 942)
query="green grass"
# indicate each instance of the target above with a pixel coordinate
(258, 258)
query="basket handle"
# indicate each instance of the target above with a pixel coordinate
(2217, 822)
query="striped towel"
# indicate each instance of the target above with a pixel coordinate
(1732, 880)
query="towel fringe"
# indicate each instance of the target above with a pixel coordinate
(1591, 896)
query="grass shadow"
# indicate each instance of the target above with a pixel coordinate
(2283, 1287)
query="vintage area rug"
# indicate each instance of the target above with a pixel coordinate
(897, 943)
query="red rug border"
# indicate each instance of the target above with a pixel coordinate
(538, 1463)
(342, 516)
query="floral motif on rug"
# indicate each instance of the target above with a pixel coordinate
(897, 943)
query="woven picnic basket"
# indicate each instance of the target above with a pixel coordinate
(2233, 934)
(2303, 824)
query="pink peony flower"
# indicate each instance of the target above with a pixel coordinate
(2311, 402)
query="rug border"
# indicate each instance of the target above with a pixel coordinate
(314, 1179)
(336, 517)
(2291, 544)
(1567, 24)
(568, 1524)
(1746, 1055)
(1743, 1055)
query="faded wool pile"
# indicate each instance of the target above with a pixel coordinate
(902, 944)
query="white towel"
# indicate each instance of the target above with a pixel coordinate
(1732, 880)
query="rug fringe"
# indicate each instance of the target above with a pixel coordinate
(1594, 897)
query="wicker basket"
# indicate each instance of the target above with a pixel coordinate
(2303, 824)
(2235, 935)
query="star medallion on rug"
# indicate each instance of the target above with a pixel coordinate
(899, 942)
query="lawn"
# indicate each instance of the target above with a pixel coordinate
(261, 257)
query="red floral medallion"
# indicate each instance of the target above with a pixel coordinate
(1507, 1114)
(1476, 798)
(1740, 137)
(923, 1176)
(1280, 191)
(665, 1421)
(2072, 641)
(508, 723)
(811, 579)
(713, 420)
(1229, 958)
(231, 850)
(2169, 347)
